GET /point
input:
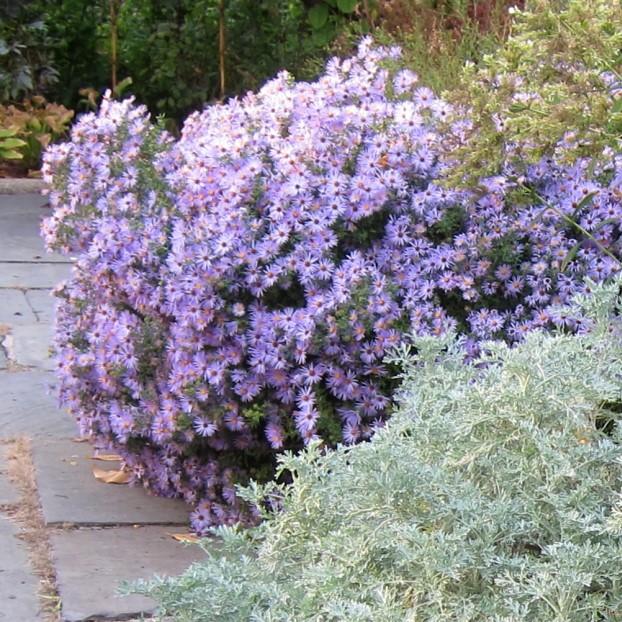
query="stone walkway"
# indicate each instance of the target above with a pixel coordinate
(91, 535)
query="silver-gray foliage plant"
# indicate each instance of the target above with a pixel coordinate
(493, 494)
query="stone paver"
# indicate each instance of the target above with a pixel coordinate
(32, 276)
(20, 218)
(29, 345)
(18, 585)
(90, 564)
(90, 561)
(28, 409)
(14, 308)
(42, 304)
(70, 493)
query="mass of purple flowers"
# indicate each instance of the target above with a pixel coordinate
(236, 291)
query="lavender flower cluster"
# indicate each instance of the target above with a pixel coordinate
(236, 291)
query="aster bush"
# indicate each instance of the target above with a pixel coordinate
(236, 291)
(493, 493)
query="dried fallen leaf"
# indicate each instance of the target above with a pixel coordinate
(80, 439)
(107, 457)
(112, 477)
(184, 537)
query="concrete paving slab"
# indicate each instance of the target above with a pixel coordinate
(32, 275)
(70, 493)
(28, 409)
(42, 304)
(20, 220)
(29, 345)
(91, 563)
(18, 585)
(14, 308)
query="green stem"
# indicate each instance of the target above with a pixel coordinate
(571, 221)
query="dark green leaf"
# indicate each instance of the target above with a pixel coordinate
(121, 86)
(323, 36)
(570, 256)
(346, 6)
(318, 16)
(584, 201)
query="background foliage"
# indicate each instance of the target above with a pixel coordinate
(26, 58)
(170, 48)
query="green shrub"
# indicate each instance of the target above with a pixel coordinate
(26, 58)
(493, 494)
(170, 48)
(77, 30)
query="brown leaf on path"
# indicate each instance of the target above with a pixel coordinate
(107, 457)
(80, 439)
(185, 537)
(112, 477)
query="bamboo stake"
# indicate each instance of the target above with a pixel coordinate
(113, 43)
(221, 46)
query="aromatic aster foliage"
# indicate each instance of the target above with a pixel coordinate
(236, 291)
(492, 494)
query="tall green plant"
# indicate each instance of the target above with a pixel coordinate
(553, 89)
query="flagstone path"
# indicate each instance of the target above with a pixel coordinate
(97, 535)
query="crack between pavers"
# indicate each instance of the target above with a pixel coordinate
(34, 311)
(65, 526)
(36, 262)
(23, 288)
(139, 616)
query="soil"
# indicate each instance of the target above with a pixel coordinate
(15, 170)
